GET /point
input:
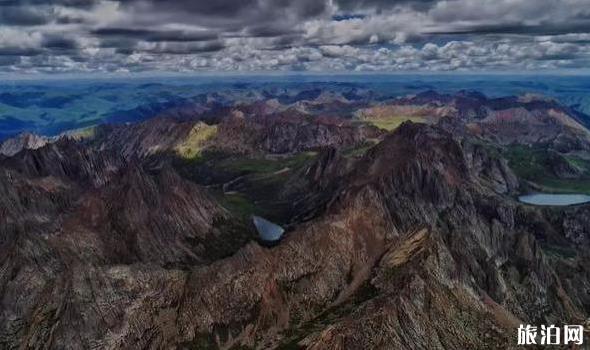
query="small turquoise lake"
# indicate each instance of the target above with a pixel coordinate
(554, 199)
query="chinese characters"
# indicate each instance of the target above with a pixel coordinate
(550, 335)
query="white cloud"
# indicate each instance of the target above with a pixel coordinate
(15, 38)
(435, 35)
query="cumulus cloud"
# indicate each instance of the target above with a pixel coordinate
(49, 36)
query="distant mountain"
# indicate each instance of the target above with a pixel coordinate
(51, 107)
(527, 119)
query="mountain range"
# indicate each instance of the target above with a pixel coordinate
(403, 227)
(53, 106)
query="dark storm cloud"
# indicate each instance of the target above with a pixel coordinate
(24, 16)
(59, 42)
(231, 15)
(15, 51)
(519, 28)
(380, 5)
(268, 31)
(218, 8)
(123, 32)
(68, 3)
(155, 35)
(235, 8)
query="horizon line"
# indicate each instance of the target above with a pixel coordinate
(277, 74)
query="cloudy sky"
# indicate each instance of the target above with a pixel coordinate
(97, 36)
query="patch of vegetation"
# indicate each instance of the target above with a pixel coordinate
(559, 251)
(533, 164)
(579, 162)
(393, 122)
(263, 165)
(239, 204)
(84, 133)
(527, 162)
(566, 185)
(193, 145)
(250, 185)
(201, 168)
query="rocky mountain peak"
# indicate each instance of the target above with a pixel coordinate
(21, 142)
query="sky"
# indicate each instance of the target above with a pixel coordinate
(40, 37)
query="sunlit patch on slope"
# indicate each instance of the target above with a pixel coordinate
(196, 140)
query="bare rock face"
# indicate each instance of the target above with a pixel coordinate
(289, 132)
(70, 215)
(158, 135)
(420, 246)
(24, 141)
(576, 225)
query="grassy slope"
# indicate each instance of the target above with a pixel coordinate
(393, 122)
(531, 164)
(261, 180)
(264, 166)
(264, 180)
(196, 140)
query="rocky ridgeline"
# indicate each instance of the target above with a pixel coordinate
(14, 145)
(289, 132)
